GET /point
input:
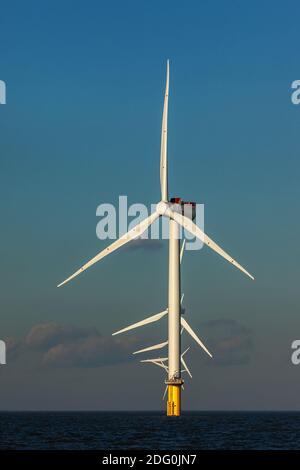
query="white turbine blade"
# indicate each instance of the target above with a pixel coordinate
(187, 327)
(182, 250)
(165, 392)
(186, 367)
(162, 362)
(163, 145)
(184, 363)
(146, 321)
(156, 359)
(157, 362)
(184, 352)
(152, 348)
(196, 231)
(181, 300)
(162, 365)
(135, 232)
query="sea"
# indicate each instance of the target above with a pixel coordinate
(149, 431)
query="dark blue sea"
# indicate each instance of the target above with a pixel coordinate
(149, 430)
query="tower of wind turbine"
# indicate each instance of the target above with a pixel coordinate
(173, 210)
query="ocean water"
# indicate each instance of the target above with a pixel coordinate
(149, 430)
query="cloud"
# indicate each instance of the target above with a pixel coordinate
(65, 345)
(92, 351)
(45, 335)
(230, 342)
(13, 347)
(72, 346)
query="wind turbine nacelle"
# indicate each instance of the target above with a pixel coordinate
(186, 208)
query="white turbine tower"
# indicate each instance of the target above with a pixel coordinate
(173, 210)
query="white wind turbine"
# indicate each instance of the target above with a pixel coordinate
(161, 361)
(173, 210)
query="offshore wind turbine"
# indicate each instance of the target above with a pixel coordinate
(161, 361)
(173, 210)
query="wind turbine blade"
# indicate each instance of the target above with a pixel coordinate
(135, 232)
(186, 367)
(165, 392)
(184, 352)
(182, 250)
(152, 348)
(157, 362)
(146, 321)
(181, 307)
(163, 147)
(196, 231)
(187, 327)
(162, 365)
(157, 359)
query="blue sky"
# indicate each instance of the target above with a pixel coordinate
(81, 126)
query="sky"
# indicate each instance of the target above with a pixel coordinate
(81, 126)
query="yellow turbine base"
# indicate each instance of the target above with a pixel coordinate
(174, 400)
